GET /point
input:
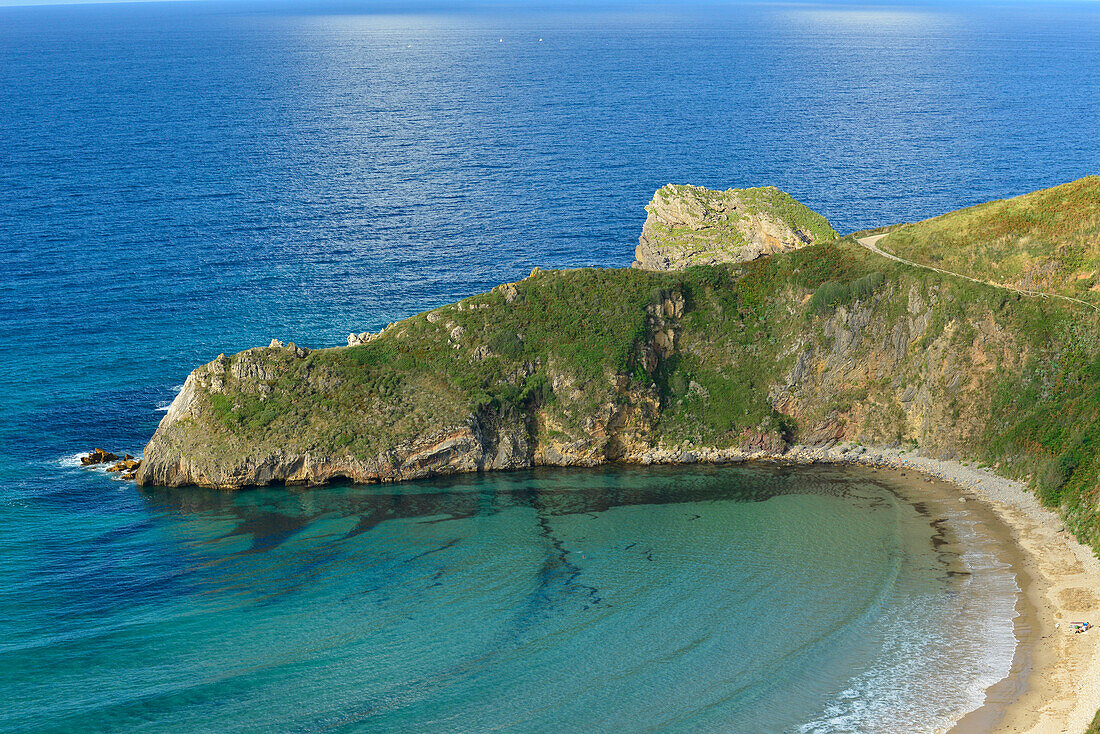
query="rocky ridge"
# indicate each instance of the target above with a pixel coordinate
(859, 360)
(692, 225)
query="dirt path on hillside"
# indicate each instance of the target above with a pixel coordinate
(871, 243)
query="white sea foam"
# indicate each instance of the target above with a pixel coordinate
(71, 460)
(164, 406)
(935, 673)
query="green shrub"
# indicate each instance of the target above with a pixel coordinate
(865, 286)
(1052, 479)
(678, 384)
(223, 406)
(507, 344)
(833, 293)
(829, 295)
(1054, 475)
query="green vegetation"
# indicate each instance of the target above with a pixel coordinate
(705, 226)
(782, 206)
(825, 338)
(1046, 241)
(1094, 727)
(831, 293)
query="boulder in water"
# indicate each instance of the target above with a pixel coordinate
(126, 466)
(97, 456)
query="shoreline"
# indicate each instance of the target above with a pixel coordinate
(1054, 683)
(1053, 686)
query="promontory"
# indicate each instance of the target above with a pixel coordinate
(747, 325)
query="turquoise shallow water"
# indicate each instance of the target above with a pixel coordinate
(689, 599)
(184, 179)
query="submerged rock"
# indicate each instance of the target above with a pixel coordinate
(126, 466)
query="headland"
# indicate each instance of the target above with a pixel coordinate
(746, 330)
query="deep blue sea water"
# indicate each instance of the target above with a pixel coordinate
(179, 180)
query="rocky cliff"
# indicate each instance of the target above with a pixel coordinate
(692, 225)
(713, 363)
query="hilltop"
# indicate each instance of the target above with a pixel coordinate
(1047, 241)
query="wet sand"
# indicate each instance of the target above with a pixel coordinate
(1054, 686)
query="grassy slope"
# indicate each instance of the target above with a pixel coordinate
(1048, 240)
(1030, 404)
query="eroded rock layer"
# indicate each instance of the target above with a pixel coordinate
(692, 225)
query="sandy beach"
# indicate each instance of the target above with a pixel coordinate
(1055, 684)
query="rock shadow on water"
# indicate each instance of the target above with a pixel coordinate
(268, 517)
(271, 515)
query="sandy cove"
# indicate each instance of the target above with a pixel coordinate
(1060, 577)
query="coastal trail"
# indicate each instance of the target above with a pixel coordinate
(871, 243)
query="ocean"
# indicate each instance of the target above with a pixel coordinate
(185, 179)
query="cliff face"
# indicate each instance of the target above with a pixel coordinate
(691, 225)
(582, 367)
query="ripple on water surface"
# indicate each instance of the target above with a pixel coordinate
(762, 599)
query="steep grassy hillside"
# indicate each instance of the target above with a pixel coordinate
(1047, 240)
(579, 367)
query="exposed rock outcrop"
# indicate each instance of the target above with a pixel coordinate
(97, 456)
(692, 225)
(126, 467)
(363, 337)
(455, 449)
